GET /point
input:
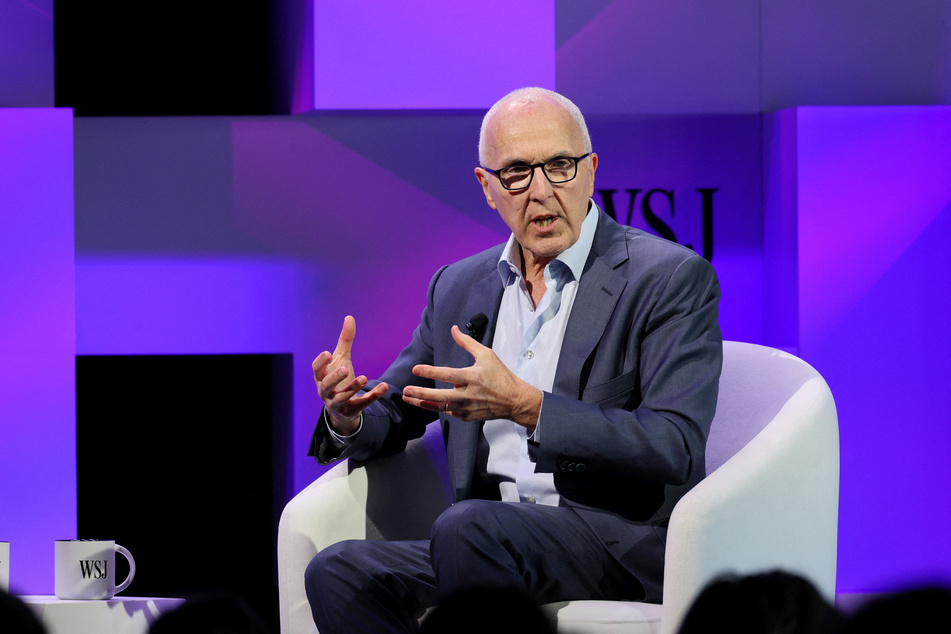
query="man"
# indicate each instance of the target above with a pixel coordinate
(575, 425)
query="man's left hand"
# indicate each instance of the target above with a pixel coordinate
(484, 391)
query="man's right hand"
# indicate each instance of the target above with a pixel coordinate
(339, 388)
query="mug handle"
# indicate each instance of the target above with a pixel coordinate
(125, 553)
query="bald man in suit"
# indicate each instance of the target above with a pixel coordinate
(574, 419)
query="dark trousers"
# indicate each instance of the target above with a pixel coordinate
(548, 552)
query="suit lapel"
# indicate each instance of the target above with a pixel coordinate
(485, 296)
(598, 293)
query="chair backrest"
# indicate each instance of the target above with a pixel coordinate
(755, 384)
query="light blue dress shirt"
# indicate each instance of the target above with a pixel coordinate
(528, 340)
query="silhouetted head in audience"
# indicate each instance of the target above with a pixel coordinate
(217, 613)
(487, 611)
(16, 617)
(769, 603)
(918, 610)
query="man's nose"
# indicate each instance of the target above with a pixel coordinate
(540, 187)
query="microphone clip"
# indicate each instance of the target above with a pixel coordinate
(476, 326)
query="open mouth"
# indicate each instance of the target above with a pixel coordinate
(544, 221)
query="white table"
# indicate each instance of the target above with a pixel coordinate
(119, 615)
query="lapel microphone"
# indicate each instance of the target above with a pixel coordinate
(476, 326)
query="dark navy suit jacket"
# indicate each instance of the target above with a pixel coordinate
(625, 425)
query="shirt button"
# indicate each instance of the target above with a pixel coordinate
(530, 499)
(529, 355)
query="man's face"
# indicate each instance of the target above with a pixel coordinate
(545, 218)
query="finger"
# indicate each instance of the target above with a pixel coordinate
(340, 385)
(456, 376)
(466, 342)
(345, 342)
(433, 406)
(431, 395)
(337, 381)
(320, 365)
(349, 397)
(458, 409)
(370, 397)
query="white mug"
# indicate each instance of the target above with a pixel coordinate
(5, 566)
(86, 569)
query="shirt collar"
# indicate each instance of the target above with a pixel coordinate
(574, 257)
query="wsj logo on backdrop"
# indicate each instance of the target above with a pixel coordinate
(656, 207)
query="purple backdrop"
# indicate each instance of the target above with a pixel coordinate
(874, 208)
(37, 342)
(829, 225)
(26, 54)
(429, 53)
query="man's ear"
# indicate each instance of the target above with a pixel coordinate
(484, 177)
(594, 167)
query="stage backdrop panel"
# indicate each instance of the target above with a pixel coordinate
(429, 53)
(670, 56)
(182, 460)
(873, 269)
(26, 54)
(37, 342)
(117, 58)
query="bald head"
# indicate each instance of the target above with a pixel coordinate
(524, 97)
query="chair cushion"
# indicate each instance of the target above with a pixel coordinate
(605, 617)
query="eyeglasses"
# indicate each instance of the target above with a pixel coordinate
(558, 170)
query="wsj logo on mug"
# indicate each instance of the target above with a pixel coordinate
(94, 568)
(85, 569)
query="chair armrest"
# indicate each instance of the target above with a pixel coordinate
(392, 498)
(331, 509)
(773, 505)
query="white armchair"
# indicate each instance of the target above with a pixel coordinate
(769, 501)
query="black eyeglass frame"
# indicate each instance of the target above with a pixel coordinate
(576, 159)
